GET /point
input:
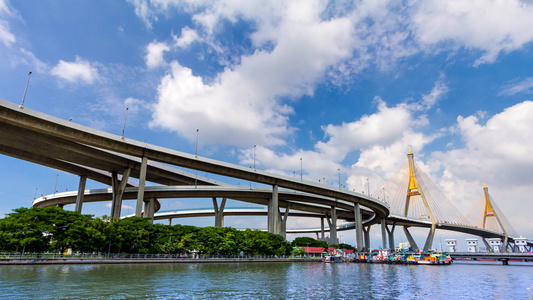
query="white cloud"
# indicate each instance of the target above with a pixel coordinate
(5, 35)
(244, 102)
(523, 87)
(491, 27)
(154, 54)
(78, 71)
(188, 36)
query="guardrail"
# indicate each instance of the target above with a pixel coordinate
(141, 256)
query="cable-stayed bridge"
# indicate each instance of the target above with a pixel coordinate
(407, 199)
(414, 200)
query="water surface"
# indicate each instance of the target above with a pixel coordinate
(266, 280)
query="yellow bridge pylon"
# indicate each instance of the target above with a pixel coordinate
(411, 194)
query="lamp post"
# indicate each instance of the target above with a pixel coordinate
(55, 186)
(125, 117)
(368, 186)
(339, 170)
(254, 157)
(25, 90)
(196, 150)
(301, 170)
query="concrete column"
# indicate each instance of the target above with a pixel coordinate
(391, 235)
(384, 234)
(333, 227)
(269, 216)
(114, 188)
(140, 192)
(486, 244)
(275, 211)
(169, 221)
(81, 193)
(409, 237)
(366, 236)
(118, 192)
(323, 237)
(429, 240)
(358, 227)
(219, 212)
(283, 220)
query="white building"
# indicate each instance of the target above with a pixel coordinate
(521, 243)
(472, 245)
(495, 244)
(451, 243)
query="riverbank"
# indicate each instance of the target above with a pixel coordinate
(91, 261)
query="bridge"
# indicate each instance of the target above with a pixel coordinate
(408, 199)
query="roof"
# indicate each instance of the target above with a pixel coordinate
(313, 249)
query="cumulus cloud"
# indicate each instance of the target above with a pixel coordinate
(78, 71)
(491, 27)
(154, 54)
(187, 37)
(245, 102)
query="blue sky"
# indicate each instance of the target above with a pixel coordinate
(342, 85)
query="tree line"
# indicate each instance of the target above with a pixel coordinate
(53, 229)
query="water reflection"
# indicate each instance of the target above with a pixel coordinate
(266, 280)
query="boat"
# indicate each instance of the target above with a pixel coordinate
(333, 259)
(439, 258)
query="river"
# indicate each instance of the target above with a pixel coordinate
(293, 280)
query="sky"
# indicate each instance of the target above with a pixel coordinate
(322, 88)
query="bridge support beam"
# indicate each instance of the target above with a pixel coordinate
(169, 221)
(81, 193)
(118, 191)
(366, 235)
(489, 248)
(333, 226)
(273, 211)
(384, 234)
(140, 192)
(219, 212)
(358, 227)
(283, 222)
(149, 209)
(322, 235)
(409, 237)
(391, 235)
(429, 240)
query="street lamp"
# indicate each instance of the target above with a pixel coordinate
(254, 157)
(368, 186)
(125, 117)
(301, 170)
(339, 170)
(25, 90)
(196, 150)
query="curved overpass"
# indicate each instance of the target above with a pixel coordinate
(303, 202)
(82, 146)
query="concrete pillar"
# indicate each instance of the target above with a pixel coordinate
(358, 227)
(169, 221)
(114, 188)
(366, 237)
(391, 235)
(322, 237)
(429, 240)
(219, 212)
(81, 193)
(118, 191)
(283, 220)
(409, 237)
(275, 210)
(333, 227)
(269, 216)
(384, 234)
(140, 192)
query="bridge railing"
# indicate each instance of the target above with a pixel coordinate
(14, 255)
